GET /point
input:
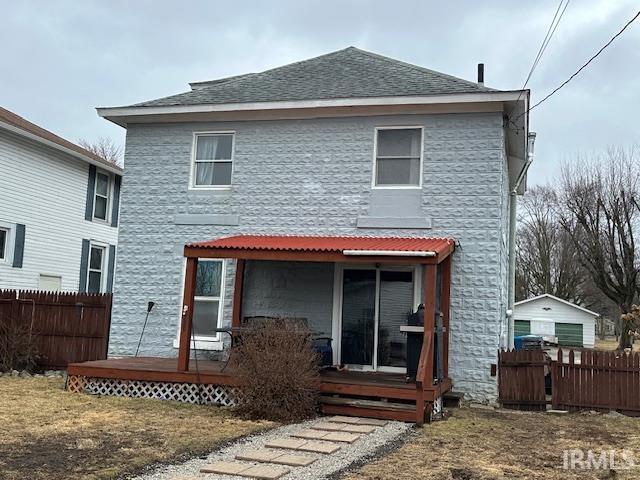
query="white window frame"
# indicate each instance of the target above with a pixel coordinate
(103, 273)
(107, 218)
(194, 148)
(205, 342)
(375, 158)
(10, 228)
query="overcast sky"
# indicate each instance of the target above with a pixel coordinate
(61, 59)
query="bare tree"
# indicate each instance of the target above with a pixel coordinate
(598, 208)
(104, 148)
(546, 259)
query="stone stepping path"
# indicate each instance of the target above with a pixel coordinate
(357, 421)
(303, 445)
(273, 456)
(343, 427)
(264, 472)
(310, 450)
(311, 434)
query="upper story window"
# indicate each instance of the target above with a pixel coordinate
(213, 160)
(4, 244)
(102, 193)
(398, 157)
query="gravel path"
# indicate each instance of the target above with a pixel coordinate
(326, 465)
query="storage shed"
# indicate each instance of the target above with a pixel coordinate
(556, 320)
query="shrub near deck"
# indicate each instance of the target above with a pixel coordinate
(50, 433)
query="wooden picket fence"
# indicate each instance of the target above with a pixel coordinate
(521, 379)
(66, 327)
(596, 380)
(580, 379)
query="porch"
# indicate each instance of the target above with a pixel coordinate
(370, 285)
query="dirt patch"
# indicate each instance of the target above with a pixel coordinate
(48, 433)
(487, 445)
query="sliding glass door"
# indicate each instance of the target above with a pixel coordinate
(358, 317)
(375, 303)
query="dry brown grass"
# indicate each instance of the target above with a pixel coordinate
(483, 445)
(47, 432)
(609, 343)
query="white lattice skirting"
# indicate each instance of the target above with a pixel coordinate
(180, 392)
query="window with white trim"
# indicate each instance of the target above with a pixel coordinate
(95, 268)
(212, 160)
(4, 244)
(398, 158)
(207, 308)
(101, 199)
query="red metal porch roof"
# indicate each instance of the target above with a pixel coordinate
(437, 247)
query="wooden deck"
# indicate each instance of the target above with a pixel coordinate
(154, 369)
(377, 395)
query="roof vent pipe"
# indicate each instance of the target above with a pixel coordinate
(481, 74)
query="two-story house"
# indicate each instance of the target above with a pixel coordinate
(345, 190)
(59, 206)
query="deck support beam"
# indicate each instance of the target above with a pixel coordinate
(424, 377)
(186, 322)
(238, 286)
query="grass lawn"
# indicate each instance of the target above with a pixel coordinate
(480, 445)
(47, 432)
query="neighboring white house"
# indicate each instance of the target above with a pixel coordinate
(556, 320)
(59, 207)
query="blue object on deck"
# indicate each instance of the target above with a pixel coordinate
(322, 346)
(528, 342)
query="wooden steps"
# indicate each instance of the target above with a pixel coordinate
(404, 412)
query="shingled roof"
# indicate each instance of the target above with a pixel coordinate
(23, 125)
(348, 73)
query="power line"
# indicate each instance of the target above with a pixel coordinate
(545, 42)
(577, 72)
(589, 61)
(543, 46)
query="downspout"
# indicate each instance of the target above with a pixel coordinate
(513, 205)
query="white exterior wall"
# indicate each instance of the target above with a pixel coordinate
(314, 177)
(46, 191)
(545, 312)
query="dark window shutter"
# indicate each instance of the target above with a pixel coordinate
(91, 187)
(117, 180)
(18, 250)
(110, 270)
(84, 264)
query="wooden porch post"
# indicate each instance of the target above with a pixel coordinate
(445, 306)
(186, 322)
(238, 286)
(424, 377)
(430, 283)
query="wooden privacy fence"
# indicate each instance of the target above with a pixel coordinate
(521, 379)
(67, 327)
(579, 379)
(597, 380)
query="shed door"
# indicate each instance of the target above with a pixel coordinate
(521, 327)
(569, 334)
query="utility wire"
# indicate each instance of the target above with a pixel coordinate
(545, 42)
(587, 63)
(555, 21)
